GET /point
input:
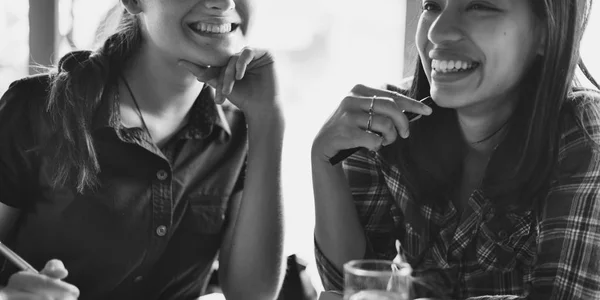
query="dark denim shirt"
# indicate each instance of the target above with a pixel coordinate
(154, 226)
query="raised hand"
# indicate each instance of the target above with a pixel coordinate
(369, 118)
(248, 80)
(47, 285)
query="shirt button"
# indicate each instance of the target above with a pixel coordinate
(162, 175)
(138, 279)
(161, 230)
(502, 234)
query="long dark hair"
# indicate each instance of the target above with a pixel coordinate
(431, 160)
(76, 90)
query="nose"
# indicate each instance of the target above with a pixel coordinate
(446, 28)
(220, 5)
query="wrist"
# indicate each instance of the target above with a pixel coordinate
(266, 120)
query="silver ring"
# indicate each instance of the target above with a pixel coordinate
(370, 122)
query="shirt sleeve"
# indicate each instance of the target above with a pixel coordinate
(16, 142)
(568, 249)
(373, 203)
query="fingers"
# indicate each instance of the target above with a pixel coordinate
(257, 58)
(354, 137)
(55, 269)
(39, 284)
(402, 102)
(219, 97)
(381, 106)
(229, 76)
(379, 124)
(244, 60)
(236, 69)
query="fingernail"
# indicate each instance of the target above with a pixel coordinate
(406, 133)
(428, 110)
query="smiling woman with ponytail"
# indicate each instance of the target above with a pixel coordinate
(76, 91)
(126, 165)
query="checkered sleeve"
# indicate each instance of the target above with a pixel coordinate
(373, 204)
(568, 250)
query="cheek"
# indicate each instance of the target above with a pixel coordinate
(245, 8)
(421, 39)
(507, 56)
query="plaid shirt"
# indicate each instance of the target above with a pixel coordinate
(483, 253)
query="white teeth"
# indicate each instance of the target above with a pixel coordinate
(212, 28)
(446, 66)
(443, 65)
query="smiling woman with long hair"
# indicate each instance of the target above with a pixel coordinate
(127, 166)
(495, 191)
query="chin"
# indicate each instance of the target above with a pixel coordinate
(450, 99)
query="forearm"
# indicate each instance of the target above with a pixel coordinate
(255, 261)
(337, 227)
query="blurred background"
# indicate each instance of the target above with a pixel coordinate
(322, 47)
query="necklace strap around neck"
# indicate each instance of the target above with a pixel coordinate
(137, 106)
(493, 133)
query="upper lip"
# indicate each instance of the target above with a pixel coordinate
(446, 54)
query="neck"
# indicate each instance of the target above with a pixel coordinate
(160, 86)
(483, 127)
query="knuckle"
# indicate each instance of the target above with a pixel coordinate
(346, 117)
(347, 101)
(357, 88)
(73, 290)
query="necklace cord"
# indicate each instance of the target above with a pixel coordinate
(137, 106)
(491, 135)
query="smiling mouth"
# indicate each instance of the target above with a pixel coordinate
(207, 28)
(453, 66)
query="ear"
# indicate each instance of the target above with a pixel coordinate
(134, 7)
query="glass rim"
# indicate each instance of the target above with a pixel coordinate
(404, 269)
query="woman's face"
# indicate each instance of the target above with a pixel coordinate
(206, 32)
(476, 51)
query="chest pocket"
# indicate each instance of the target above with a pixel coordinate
(206, 214)
(506, 241)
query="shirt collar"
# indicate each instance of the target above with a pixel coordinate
(204, 114)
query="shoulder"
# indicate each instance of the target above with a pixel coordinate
(579, 143)
(24, 97)
(581, 116)
(27, 87)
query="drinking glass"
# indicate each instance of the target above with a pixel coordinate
(376, 280)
